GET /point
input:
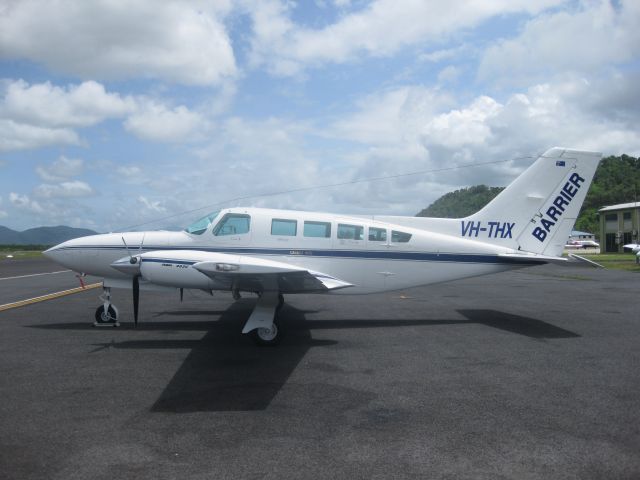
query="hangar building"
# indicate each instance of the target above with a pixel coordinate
(619, 225)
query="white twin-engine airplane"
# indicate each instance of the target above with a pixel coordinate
(276, 252)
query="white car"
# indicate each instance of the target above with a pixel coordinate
(582, 244)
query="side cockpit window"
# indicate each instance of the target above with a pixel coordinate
(202, 224)
(233, 224)
(400, 237)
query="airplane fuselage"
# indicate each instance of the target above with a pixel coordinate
(373, 256)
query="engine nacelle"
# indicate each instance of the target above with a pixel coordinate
(174, 273)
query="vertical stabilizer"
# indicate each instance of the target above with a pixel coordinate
(536, 212)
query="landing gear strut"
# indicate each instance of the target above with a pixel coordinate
(263, 325)
(106, 314)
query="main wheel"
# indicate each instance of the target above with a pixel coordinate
(267, 336)
(111, 316)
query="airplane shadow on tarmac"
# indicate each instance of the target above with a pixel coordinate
(225, 371)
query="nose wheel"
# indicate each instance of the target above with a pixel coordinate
(106, 314)
(108, 317)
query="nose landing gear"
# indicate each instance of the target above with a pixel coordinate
(106, 314)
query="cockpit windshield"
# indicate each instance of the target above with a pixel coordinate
(200, 226)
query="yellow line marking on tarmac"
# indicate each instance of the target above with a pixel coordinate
(50, 296)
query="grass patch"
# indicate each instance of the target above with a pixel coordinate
(615, 261)
(21, 251)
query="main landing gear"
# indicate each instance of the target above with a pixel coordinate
(106, 314)
(263, 325)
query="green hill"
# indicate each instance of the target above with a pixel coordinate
(617, 180)
(41, 235)
(461, 203)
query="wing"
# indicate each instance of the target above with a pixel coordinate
(249, 273)
(242, 272)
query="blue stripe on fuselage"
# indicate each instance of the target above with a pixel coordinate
(358, 254)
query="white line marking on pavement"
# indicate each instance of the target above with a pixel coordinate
(34, 275)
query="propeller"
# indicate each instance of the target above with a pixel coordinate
(136, 298)
(135, 283)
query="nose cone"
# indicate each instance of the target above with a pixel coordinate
(54, 253)
(63, 253)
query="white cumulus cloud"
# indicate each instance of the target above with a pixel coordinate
(47, 105)
(43, 114)
(381, 28)
(61, 169)
(23, 202)
(19, 136)
(599, 33)
(171, 40)
(75, 188)
(157, 122)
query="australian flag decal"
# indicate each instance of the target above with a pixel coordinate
(559, 163)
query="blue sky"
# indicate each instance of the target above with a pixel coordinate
(115, 114)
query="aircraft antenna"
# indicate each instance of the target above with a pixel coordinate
(315, 187)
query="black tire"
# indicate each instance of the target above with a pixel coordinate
(265, 338)
(111, 317)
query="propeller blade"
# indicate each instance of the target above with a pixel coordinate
(136, 298)
(181, 294)
(127, 247)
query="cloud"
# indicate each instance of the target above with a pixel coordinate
(75, 188)
(153, 206)
(3, 213)
(38, 115)
(129, 171)
(596, 35)
(415, 128)
(391, 116)
(380, 29)
(47, 105)
(61, 169)
(157, 122)
(169, 40)
(449, 74)
(18, 136)
(23, 202)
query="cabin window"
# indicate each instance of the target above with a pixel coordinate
(350, 232)
(400, 237)
(233, 224)
(200, 226)
(280, 226)
(317, 229)
(377, 234)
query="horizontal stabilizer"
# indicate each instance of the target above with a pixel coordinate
(583, 261)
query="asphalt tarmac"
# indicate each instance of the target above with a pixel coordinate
(529, 374)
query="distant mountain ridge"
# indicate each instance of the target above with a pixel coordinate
(42, 235)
